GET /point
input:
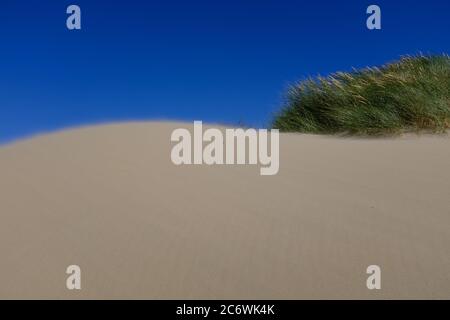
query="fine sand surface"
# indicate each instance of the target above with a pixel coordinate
(109, 199)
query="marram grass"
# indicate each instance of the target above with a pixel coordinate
(412, 94)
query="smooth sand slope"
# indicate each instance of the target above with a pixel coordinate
(109, 199)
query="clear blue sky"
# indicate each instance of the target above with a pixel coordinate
(216, 61)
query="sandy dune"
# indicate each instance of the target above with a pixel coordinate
(109, 199)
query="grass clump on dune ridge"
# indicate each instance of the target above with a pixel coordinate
(408, 95)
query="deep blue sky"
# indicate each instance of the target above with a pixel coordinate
(216, 61)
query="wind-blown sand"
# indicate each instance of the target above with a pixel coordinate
(109, 199)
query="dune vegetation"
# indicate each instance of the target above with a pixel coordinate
(412, 94)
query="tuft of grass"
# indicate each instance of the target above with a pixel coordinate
(412, 94)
